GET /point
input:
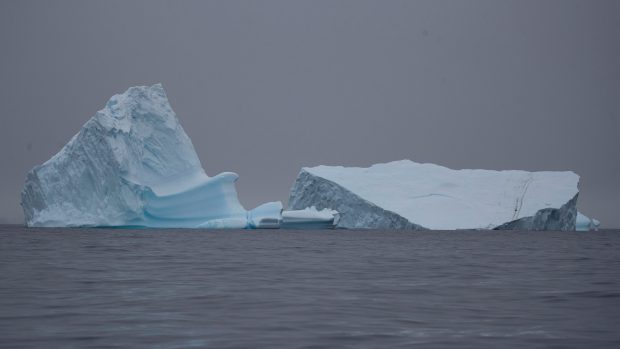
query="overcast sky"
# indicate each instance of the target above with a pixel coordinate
(266, 87)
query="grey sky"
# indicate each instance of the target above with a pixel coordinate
(266, 87)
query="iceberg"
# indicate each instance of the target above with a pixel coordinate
(131, 165)
(585, 223)
(409, 195)
(310, 218)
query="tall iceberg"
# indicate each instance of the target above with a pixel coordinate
(409, 195)
(132, 164)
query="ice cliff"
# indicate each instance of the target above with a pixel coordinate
(132, 165)
(409, 195)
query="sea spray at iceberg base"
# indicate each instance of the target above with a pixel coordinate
(132, 164)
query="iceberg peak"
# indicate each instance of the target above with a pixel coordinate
(131, 164)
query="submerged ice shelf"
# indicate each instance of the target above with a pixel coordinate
(132, 164)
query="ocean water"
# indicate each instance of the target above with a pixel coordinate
(98, 288)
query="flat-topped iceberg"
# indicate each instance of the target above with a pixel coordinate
(409, 195)
(132, 164)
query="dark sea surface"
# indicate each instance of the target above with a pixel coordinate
(97, 288)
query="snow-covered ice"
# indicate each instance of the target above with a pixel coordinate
(409, 195)
(132, 164)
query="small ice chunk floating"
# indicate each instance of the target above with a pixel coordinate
(266, 216)
(310, 218)
(409, 195)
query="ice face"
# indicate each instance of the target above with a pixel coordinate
(132, 164)
(408, 195)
